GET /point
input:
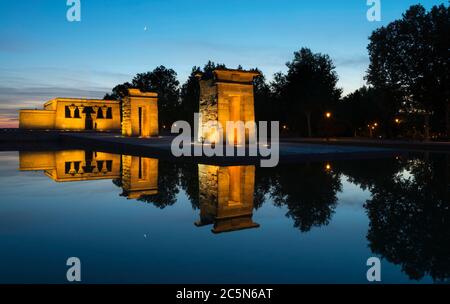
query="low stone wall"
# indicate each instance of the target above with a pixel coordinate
(37, 119)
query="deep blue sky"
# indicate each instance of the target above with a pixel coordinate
(42, 55)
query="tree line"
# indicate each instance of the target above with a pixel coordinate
(407, 91)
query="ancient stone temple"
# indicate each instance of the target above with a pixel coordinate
(139, 112)
(73, 114)
(227, 96)
(226, 197)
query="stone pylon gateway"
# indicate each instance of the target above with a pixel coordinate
(140, 114)
(227, 96)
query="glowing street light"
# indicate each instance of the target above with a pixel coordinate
(328, 115)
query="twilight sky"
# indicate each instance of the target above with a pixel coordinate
(42, 55)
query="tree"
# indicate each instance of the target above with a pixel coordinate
(162, 81)
(440, 31)
(366, 105)
(409, 62)
(264, 107)
(190, 95)
(310, 87)
(119, 91)
(280, 106)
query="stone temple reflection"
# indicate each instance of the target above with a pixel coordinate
(139, 175)
(72, 165)
(226, 197)
(225, 193)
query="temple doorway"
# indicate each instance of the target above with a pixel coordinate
(89, 122)
(140, 121)
(235, 115)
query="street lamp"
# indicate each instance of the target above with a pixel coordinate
(372, 128)
(328, 116)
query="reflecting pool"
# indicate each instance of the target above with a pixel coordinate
(131, 219)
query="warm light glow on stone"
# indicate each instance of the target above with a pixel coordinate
(73, 114)
(139, 176)
(226, 197)
(140, 114)
(72, 165)
(227, 97)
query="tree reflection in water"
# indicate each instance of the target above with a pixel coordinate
(409, 212)
(308, 191)
(409, 209)
(189, 183)
(168, 189)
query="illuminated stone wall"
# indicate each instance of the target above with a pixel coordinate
(227, 97)
(226, 197)
(139, 176)
(73, 114)
(78, 109)
(37, 119)
(140, 114)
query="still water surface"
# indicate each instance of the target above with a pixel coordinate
(139, 220)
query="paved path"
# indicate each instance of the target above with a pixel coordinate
(291, 149)
(161, 147)
(384, 143)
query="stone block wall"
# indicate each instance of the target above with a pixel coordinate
(140, 114)
(37, 119)
(227, 97)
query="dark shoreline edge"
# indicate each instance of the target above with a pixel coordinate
(25, 140)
